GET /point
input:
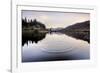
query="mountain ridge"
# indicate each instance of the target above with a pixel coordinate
(78, 26)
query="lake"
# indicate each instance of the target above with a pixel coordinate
(54, 47)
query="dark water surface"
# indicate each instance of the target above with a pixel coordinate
(54, 47)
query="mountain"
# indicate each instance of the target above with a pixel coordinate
(78, 30)
(82, 26)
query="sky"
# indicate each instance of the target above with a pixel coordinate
(55, 19)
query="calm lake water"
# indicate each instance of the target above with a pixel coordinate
(55, 47)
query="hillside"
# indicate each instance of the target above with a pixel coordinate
(32, 24)
(78, 30)
(82, 26)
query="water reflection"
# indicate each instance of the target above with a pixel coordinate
(33, 37)
(53, 46)
(82, 35)
(36, 37)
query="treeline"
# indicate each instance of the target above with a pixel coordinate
(32, 23)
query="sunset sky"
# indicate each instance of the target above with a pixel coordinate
(55, 19)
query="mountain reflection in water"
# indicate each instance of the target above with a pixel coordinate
(54, 46)
(36, 37)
